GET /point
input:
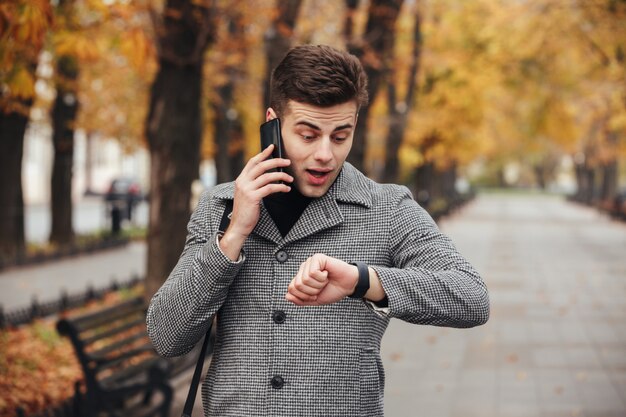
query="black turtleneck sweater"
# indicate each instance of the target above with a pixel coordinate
(286, 208)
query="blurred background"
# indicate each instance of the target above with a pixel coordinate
(116, 114)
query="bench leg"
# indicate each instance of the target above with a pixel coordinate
(168, 394)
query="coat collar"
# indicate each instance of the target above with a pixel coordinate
(351, 187)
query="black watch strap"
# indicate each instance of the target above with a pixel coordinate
(363, 285)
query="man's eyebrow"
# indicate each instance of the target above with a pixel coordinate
(314, 127)
(309, 124)
(342, 127)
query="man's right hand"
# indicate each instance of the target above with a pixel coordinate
(251, 186)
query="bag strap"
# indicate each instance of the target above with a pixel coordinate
(197, 373)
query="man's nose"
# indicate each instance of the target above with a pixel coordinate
(323, 152)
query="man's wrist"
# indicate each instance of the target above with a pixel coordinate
(231, 245)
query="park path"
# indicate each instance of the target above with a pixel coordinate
(72, 275)
(555, 344)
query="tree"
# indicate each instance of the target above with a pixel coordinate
(173, 129)
(374, 49)
(228, 127)
(23, 26)
(399, 110)
(63, 117)
(278, 38)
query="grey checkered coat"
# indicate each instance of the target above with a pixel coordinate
(328, 357)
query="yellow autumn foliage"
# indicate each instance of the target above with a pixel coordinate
(23, 26)
(22, 83)
(77, 44)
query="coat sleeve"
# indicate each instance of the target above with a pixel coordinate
(181, 310)
(429, 281)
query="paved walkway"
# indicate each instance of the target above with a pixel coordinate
(555, 344)
(46, 282)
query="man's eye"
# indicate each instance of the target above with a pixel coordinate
(340, 138)
(307, 137)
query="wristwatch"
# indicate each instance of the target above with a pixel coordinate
(363, 285)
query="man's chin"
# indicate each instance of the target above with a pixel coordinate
(312, 191)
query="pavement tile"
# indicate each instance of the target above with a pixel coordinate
(572, 332)
(583, 357)
(601, 333)
(601, 397)
(614, 357)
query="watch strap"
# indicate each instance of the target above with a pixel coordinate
(363, 284)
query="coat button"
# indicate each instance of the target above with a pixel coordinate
(279, 316)
(281, 256)
(277, 382)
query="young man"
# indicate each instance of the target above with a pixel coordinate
(314, 263)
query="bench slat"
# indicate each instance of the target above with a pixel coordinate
(113, 331)
(119, 359)
(130, 373)
(108, 315)
(102, 353)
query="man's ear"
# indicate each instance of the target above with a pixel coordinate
(270, 114)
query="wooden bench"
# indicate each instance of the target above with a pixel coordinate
(122, 371)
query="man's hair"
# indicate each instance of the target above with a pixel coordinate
(319, 75)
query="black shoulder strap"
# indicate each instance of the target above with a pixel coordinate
(197, 373)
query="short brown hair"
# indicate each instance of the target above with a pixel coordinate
(319, 75)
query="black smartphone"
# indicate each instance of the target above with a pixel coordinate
(270, 134)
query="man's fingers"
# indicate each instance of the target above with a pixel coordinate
(292, 298)
(262, 166)
(271, 177)
(320, 277)
(258, 158)
(304, 296)
(300, 286)
(316, 267)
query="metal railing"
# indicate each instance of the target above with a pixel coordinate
(38, 309)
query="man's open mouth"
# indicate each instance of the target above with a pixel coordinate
(317, 174)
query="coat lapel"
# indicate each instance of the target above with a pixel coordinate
(322, 213)
(351, 187)
(266, 228)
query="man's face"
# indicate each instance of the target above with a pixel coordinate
(317, 140)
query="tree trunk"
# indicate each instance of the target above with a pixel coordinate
(174, 131)
(609, 180)
(399, 111)
(540, 175)
(89, 164)
(229, 137)
(278, 39)
(585, 179)
(63, 120)
(13, 127)
(375, 51)
(348, 26)
(424, 184)
(610, 172)
(449, 184)
(225, 122)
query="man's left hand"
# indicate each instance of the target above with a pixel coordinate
(322, 280)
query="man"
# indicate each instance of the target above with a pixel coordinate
(314, 263)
